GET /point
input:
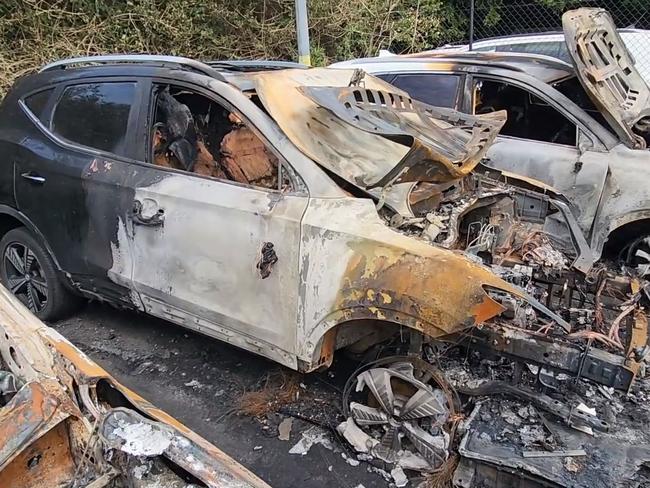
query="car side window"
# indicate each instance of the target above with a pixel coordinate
(435, 89)
(37, 102)
(192, 133)
(95, 115)
(529, 117)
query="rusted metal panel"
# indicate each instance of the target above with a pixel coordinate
(33, 411)
(445, 145)
(321, 135)
(45, 462)
(45, 407)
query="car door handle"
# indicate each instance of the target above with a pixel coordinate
(35, 177)
(153, 220)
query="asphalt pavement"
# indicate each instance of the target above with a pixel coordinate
(200, 381)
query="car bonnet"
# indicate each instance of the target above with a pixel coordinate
(369, 132)
(607, 72)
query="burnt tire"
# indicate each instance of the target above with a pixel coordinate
(28, 271)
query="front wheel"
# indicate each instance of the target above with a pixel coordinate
(400, 410)
(27, 270)
(637, 254)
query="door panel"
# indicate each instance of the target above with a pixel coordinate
(539, 141)
(76, 196)
(196, 264)
(580, 178)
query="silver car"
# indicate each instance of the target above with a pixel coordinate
(581, 128)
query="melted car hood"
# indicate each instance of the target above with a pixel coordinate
(372, 134)
(607, 72)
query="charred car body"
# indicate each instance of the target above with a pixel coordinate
(351, 216)
(580, 128)
(64, 421)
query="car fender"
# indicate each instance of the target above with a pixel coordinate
(353, 266)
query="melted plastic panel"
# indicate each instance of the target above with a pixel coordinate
(445, 144)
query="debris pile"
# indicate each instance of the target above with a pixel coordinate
(65, 422)
(505, 419)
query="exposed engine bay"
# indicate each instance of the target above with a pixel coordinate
(529, 239)
(535, 397)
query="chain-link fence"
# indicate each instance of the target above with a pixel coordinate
(535, 26)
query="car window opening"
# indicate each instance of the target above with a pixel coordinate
(529, 117)
(574, 91)
(194, 134)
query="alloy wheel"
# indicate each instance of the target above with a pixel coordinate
(402, 405)
(25, 277)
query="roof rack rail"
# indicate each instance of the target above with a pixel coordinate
(135, 59)
(253, 64)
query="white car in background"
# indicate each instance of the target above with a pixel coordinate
(637, 42)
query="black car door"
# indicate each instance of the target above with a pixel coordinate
(72, 178)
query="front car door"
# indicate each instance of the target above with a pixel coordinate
(539, 141)
(551, 156)
(212, 251)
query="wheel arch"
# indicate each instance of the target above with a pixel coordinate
(324, 339)
(623, 230)
(10, 218)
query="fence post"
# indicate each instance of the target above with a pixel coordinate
(302, 31)
(471, 24)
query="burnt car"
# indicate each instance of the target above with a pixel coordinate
(580, 128)
(298, 212)
(64, 421)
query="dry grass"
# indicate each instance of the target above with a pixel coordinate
(443, 477)
(280, 388)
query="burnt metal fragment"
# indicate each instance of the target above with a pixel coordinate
(573, 417)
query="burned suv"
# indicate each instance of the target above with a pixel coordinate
(296, 212)
(581, 128)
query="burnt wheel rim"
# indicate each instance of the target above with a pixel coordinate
(25, 277)
(373, 401)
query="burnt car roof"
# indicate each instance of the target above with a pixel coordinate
(141, 65)
(544, 68)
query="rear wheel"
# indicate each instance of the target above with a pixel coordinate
(27, 270)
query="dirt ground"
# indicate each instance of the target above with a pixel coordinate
(201, 381)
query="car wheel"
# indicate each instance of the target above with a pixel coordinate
(27, 270)
(637, 254)
(396, 404)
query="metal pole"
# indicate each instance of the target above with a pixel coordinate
(302, 29)
(471, 24)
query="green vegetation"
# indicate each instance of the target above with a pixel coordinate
(33, 32)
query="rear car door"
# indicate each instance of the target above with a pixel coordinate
(216, 245)
(71, 177)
